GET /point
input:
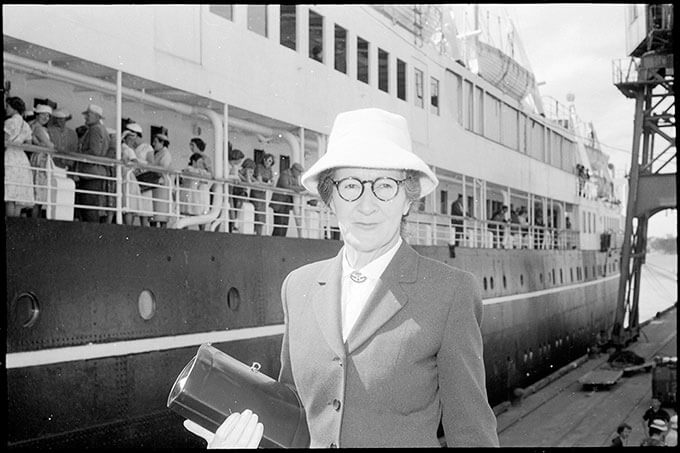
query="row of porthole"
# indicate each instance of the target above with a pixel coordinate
(26, 307)
(489, 284)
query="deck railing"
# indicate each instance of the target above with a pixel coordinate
(246, 208)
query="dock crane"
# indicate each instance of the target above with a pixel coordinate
(648, 77)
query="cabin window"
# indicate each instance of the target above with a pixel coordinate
(540, 277)
(443, 201)
(521, 279)
(288, 26)
(383, 70)
(505, 282)
(561, 277)
(484, 282)
(479, 111)
(469, 111)
(315, 36)
(224, 11)
(257, 19)
(362, 60)
(553, 277)
(491, 282)
(340, 49)
(401, 80)
(459, 99)
(493, 118)
(509, 126)
(434, 96)
(420, 95)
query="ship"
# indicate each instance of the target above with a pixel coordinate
(102, 317)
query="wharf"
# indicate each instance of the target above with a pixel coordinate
(564, 413)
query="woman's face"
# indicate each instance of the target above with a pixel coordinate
(43, 118)
(193, 148)
(156, 144)
(268, 162)
(250, 172)
(369, 224)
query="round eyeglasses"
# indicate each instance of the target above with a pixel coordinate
(351, 188)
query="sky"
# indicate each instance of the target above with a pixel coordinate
(571, 48)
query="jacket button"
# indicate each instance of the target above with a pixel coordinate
(333, 445)
(336, 404)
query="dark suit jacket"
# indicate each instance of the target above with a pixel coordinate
(413, 357)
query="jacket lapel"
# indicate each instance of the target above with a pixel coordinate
(387, 298)
(326, 302)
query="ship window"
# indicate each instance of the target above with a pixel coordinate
(505, 283)
(257, 19)
(493, 118)
(362, 60)
(521, 279)
(401, 80)
(146, 304)
(585, 268)
(540, 277)
(553, 276)
(491, 282)
(383, 70)
(340, 49)
(484, 283)
(469, 111)
(561, 277)
(315, 36)
(479, 111)
(571, 273)
(434, 96)
(288, 26)
(443, 201)
(225, 11)
(419, 98)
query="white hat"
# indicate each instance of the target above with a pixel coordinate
(659, 424)
(94, 108)
(42, 108)
(134, 127)
(61, 113)
(370, 138)
(125, 134)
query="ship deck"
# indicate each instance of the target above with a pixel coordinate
(564, 413)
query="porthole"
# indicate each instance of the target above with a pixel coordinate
(526, 357)
(484, 282)
(26, 309)
(146, 303)
(233, 299)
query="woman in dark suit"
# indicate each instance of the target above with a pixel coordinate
(380, 343)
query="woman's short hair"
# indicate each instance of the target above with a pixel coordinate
(200, 144)
(267, 156)
(194, 157)
(248, 163)
(162, 139)
(236, 154)
(17, 104)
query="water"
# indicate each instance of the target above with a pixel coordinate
(659, 284)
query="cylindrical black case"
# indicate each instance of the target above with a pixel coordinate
(213, 385)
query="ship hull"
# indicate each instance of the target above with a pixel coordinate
(90, 370)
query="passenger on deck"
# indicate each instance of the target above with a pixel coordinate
(131, 193)
(95, 142)
(497, 229)
(197, 145)
(281, 203)
(622, 434)
(144, 153)
(39, 160)
(457, 221)
(655, 412)
(64, 138)
(672, 435)
(380, 343)
(161, 195)
(235, 159)
(264, 175)
(193, 194)
(110, 184)
(247, 175)
(522, 217)
(18, 176)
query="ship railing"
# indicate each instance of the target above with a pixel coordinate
(439, 229)
(245, 208)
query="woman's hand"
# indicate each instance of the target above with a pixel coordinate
(239, 430)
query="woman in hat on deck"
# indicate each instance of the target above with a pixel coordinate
(380, 343)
